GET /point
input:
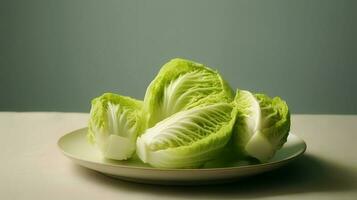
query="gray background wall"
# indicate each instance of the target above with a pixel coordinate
(57, 55)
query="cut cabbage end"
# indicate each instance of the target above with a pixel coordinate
(259, 147)
(141, 150)
(118, 148)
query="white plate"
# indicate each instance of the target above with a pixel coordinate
(75, 146)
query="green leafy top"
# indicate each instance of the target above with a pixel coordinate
(181, 85)
(276, 121)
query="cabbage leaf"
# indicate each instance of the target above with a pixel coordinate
(188, 138)
(181, 85)
(115, 122)
(262, 125)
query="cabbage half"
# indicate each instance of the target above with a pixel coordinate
(115, 122)
(182, 85)
(262, 125)
(188, 138)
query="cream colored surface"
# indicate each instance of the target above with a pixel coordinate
(32, 166)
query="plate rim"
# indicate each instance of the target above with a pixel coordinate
(287, 159)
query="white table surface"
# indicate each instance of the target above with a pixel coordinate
(32, 166)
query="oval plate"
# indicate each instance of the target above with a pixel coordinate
(75, 146)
